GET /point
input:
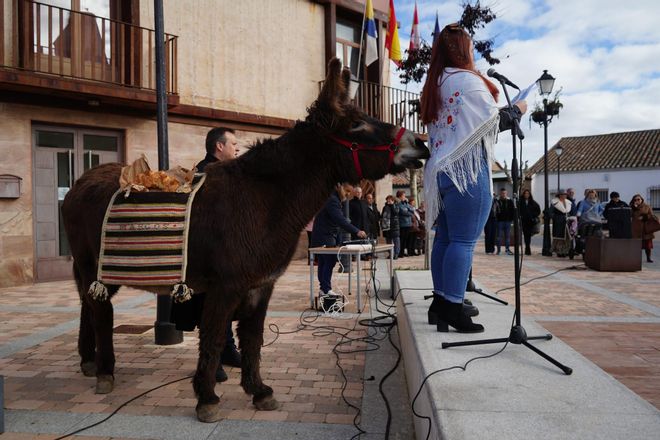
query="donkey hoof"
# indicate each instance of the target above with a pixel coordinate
(104, 383)
(208, 412)
(266, 403)
(88, 368)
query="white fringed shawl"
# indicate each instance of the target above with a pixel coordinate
(461, 137)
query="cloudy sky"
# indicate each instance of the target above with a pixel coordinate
(605, 55)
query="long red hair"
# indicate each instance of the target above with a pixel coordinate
(452, 48)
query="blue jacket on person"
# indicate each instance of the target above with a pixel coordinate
(405, 214)
(328, 222)
(590, 211)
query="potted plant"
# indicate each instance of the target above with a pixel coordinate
(538, 115)
(551, 109)
(554, 105)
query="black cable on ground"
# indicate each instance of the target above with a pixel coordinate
(121, 406)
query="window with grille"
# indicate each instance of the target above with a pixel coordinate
(654, 198)
(602, 194)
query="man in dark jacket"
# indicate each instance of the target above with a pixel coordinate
(326, 233)
(490, 230)
(374, 217)
(358, 211)
(504, 221)
(221, 145)
(619, 217)
(390, 224)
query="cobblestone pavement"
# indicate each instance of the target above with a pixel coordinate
(38, 358)
(611, 318)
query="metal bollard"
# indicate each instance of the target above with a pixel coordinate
(2, 404)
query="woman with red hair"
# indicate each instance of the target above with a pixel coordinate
(459, 107)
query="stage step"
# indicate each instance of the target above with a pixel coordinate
(516, 394)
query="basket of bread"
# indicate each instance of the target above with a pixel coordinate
(141, 178)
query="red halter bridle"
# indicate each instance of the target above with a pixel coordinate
(392, 147)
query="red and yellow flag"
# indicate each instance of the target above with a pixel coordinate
(392, 43)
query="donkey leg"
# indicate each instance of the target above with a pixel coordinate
(212, 339)
(105, 354)
(86, 338)
(86, 341)
(251, 338)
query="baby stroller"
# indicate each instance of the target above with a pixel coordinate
(584, 230)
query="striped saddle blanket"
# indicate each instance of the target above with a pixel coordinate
(144, 241)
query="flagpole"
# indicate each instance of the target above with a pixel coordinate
(364, 15)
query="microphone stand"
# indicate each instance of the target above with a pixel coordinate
(472, 288)
(517, 335)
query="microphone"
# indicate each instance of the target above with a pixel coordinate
(501, 78)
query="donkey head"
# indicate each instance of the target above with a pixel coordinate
(367, 148)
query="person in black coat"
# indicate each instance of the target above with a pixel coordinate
(374, 217)
(619, 217)
(325, 232)
(490, 230)
(504, 220)
(529, 217)
(390, 224)
(358, 211)
(221, 145)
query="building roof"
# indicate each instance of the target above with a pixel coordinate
(630, 149)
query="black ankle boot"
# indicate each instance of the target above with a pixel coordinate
(467, 309)
(452, 314)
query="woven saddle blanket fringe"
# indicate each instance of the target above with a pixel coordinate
(144, 241)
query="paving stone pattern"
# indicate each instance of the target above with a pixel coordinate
(623, 338)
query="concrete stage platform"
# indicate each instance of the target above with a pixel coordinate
(516, 394)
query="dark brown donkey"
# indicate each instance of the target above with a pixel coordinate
(235, 258)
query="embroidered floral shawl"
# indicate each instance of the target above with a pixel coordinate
(461, 136)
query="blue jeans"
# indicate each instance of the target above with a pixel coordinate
(503, 234)
(396, 241)
(326, 266)
(459, 225)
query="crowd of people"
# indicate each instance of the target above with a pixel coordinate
(400, 222)
(572, 221)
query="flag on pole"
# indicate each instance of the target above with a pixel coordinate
(414, 32)
(436, 31)
(370, 29)
(392, 43)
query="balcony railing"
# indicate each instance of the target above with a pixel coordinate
(75, 44)
(389, 104)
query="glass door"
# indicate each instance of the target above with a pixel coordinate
(61, 155)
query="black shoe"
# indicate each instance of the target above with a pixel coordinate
(469, 310)
(231, 357)
(220, 375)
(452, 314)
(528, 251)
(648, 260)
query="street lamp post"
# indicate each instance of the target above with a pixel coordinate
(558, 150)
(545, 83)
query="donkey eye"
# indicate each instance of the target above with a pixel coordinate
(358, 125)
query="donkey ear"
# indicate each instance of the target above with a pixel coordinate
(346, 82)
(333, 89)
